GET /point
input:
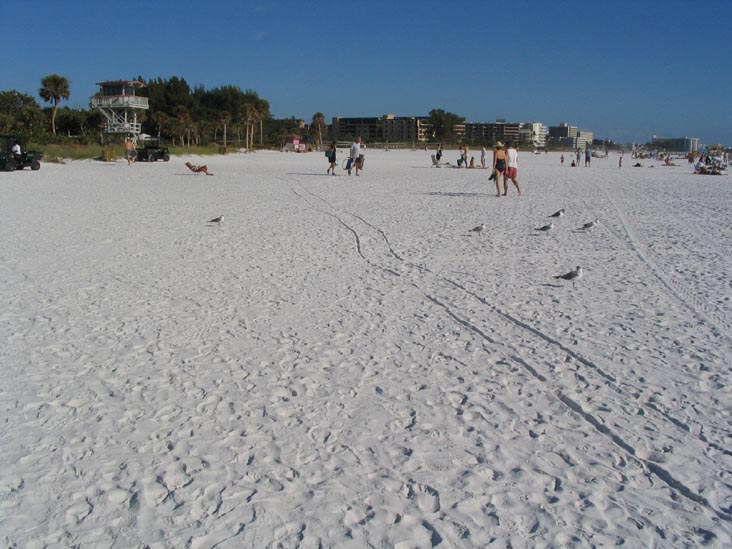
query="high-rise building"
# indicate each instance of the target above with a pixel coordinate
(584, 139)
(676, 144)
(387, 128)
(563, 136)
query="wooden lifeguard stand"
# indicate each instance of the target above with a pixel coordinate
(119, 102)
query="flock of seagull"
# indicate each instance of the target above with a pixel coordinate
(573, 275)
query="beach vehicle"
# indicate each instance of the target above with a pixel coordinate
(9, 161)
(153, 151)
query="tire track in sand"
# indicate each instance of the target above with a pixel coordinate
(417, 275)
(677, 290)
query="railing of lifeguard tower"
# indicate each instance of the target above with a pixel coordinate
(114, 101)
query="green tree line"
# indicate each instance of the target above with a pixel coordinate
(178, 113)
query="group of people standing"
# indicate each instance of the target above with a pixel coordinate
(505, 162)
(505, 165)
(355, 158)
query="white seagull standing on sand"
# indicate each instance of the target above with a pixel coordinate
(546, 228)
(589, 226)
(559, 213)
(217, 220)
(572, 275)
(479, 229)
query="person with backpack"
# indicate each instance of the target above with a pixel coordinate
(331, 155)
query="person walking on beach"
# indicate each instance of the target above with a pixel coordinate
(561, 160)
(588, 157)
(483, 153)
(499, 165)
(355, 158)
(578, 154)
(331, 154)
(438, 154)
(130, 151)
(511, 169)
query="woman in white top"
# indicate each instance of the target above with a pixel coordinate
(511, 169)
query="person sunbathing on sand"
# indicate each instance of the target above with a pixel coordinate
(198, 169)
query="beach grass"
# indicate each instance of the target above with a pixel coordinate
(56, 153)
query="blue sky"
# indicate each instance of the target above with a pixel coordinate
(623, 69)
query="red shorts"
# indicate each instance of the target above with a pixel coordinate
(511, 173)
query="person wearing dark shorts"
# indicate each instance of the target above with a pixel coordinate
(499, 165)
(331, 154)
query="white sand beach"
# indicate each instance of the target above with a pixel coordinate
(342, 363)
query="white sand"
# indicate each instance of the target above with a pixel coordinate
(342, 364)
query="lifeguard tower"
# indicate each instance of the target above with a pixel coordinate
(119, 102)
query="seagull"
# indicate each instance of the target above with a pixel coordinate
(217, 220)
(559, 213)
(572, 275)
(589, 226)
(546, 228)
(479, 229)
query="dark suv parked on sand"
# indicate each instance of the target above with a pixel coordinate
(153, 151)
(10, 161)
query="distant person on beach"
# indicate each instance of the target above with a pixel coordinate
(483, 154)
(464, 156)
(578, 154)
(620, 161)
(356, 159)
(438, 154)
(130, 151)
(499, 165)
(331, 154)
(561, 160)
(511, 169)
(588, 157)
(472, 162)
(203, 168)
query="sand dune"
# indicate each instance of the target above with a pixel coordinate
(342, 363)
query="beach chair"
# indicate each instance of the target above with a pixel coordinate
(435, 163)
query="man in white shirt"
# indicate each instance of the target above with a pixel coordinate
(511, 169)
(16, 148)
(355, 157)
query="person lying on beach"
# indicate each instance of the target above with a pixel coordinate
(198, 169)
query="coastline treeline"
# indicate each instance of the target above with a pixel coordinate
(178, 113)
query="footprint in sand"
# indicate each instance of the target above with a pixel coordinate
(426, 497)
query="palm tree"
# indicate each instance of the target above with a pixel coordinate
(54, 88)
(319, 124)
(161, 120)
(248, 116)
(263, 112)
(224, 119)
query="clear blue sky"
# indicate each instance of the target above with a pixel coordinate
(623, 69)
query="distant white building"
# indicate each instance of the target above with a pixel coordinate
(539, 133)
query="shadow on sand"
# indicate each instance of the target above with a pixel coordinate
(453, 194)
(313, 174)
